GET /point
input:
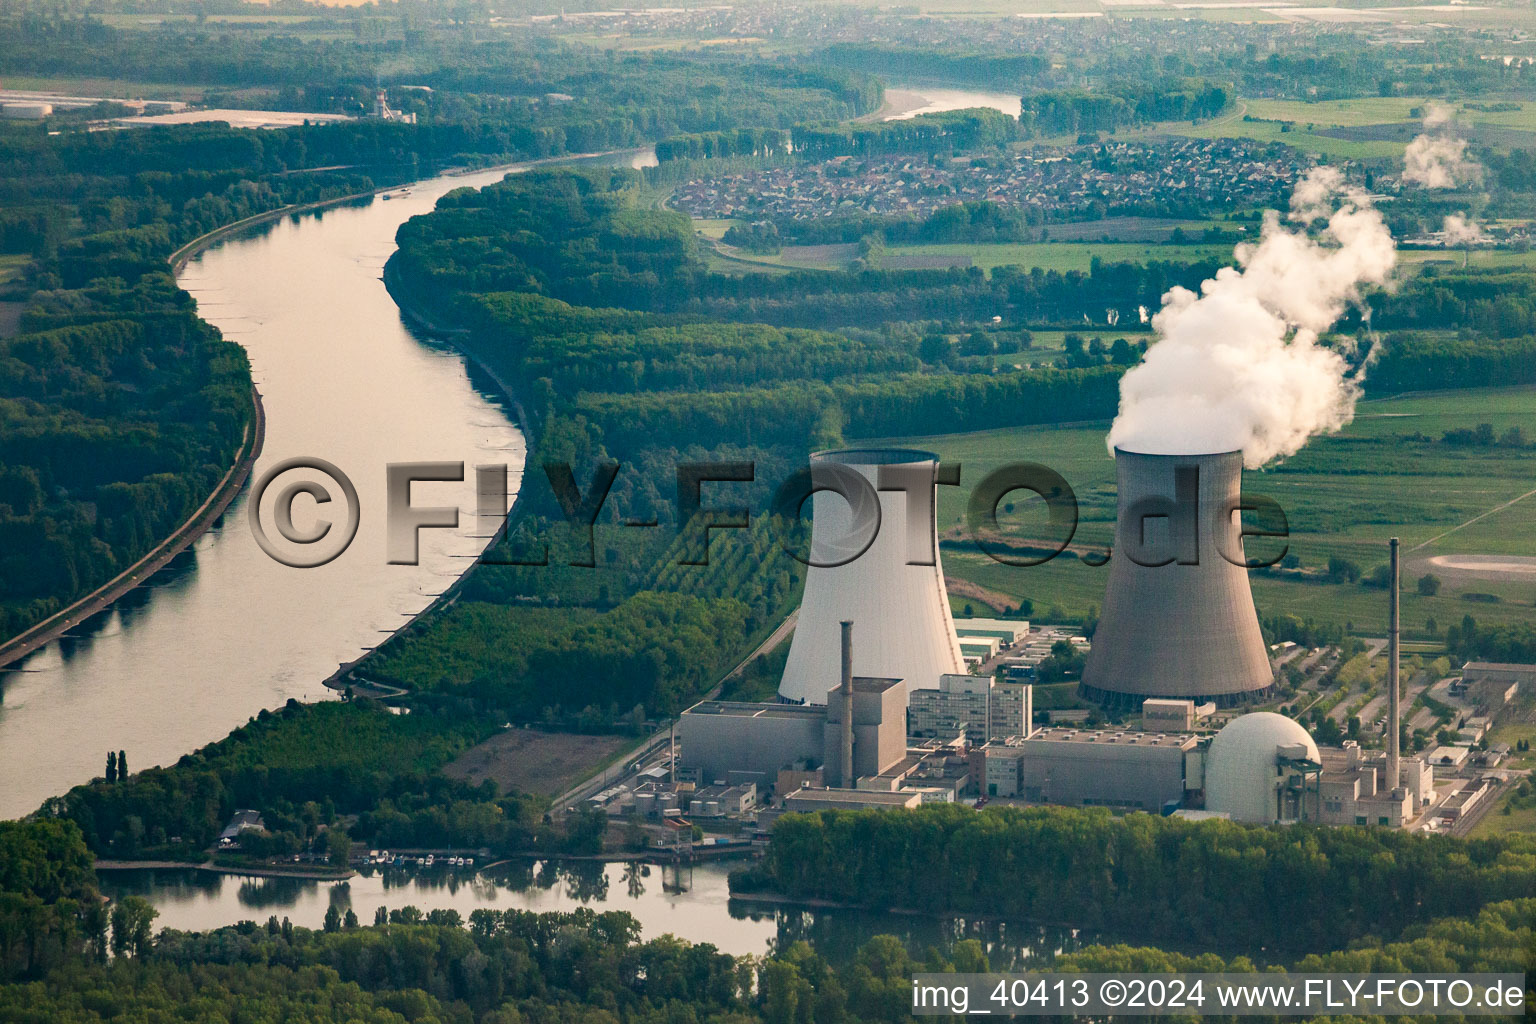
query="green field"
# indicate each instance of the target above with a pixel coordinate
(1063, 256)
(1344, 495)
(1060, 256)
(1299, 137)
(11, 266)
(1307, 122)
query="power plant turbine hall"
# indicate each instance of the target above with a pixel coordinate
(893, 590)
(1178, 618)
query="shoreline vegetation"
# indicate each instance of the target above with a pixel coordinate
(104, 597)
(254, 871)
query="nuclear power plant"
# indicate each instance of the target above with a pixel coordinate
(1178, 619)
(876, 709)
(893, 590)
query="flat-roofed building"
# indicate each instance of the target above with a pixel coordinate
(738, 741)
(976, 707)
(1498, 672)
(1008, 631)
(718, 737)
(1163, 715)
(1104, 768)
(979, 648)
(1001, 773)
(1451, 757)
(805, 800)
(722, 801)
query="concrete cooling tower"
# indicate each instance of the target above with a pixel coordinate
(900, 611)
(1178, 618)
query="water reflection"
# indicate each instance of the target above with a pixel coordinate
(693, 903)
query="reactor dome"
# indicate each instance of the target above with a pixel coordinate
(1245, 767)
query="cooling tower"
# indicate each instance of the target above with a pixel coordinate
(1178, 618)
(900, 611)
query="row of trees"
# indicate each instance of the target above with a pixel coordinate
(947, 131)
(1120, 104)
(707, 145)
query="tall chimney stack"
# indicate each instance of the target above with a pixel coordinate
(846, 762)
(1394, 765)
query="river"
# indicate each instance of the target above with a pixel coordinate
(224, 631)
(692, 903)
(911, 100)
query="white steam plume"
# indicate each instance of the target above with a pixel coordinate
(1462, 230)
(1238, 367)
(1437, 159)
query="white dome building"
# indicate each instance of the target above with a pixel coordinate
(1253, 767)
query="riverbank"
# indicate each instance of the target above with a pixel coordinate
(103, 597)
(254, 871)
(456, 338)
(459, 339)
(199, 523)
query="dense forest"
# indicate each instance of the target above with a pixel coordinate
(528, 98)
(1121, 104)
(948, 132)
(625, 348)
(123, 410)
(1306, 889)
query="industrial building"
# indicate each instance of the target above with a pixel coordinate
(977, 649)
(722, 801)
(739, 741)
(806, 800)
(1498, 672)
(879, 730)
(1158, 715)
(1257, 768)
(977, 707)
(1353, 789)
(1092, 768)
(25, 111)
(1178, 619)
(718, 737)
(873, 528)
(1006, 631)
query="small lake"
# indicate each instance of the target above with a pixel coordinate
(692, 903)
